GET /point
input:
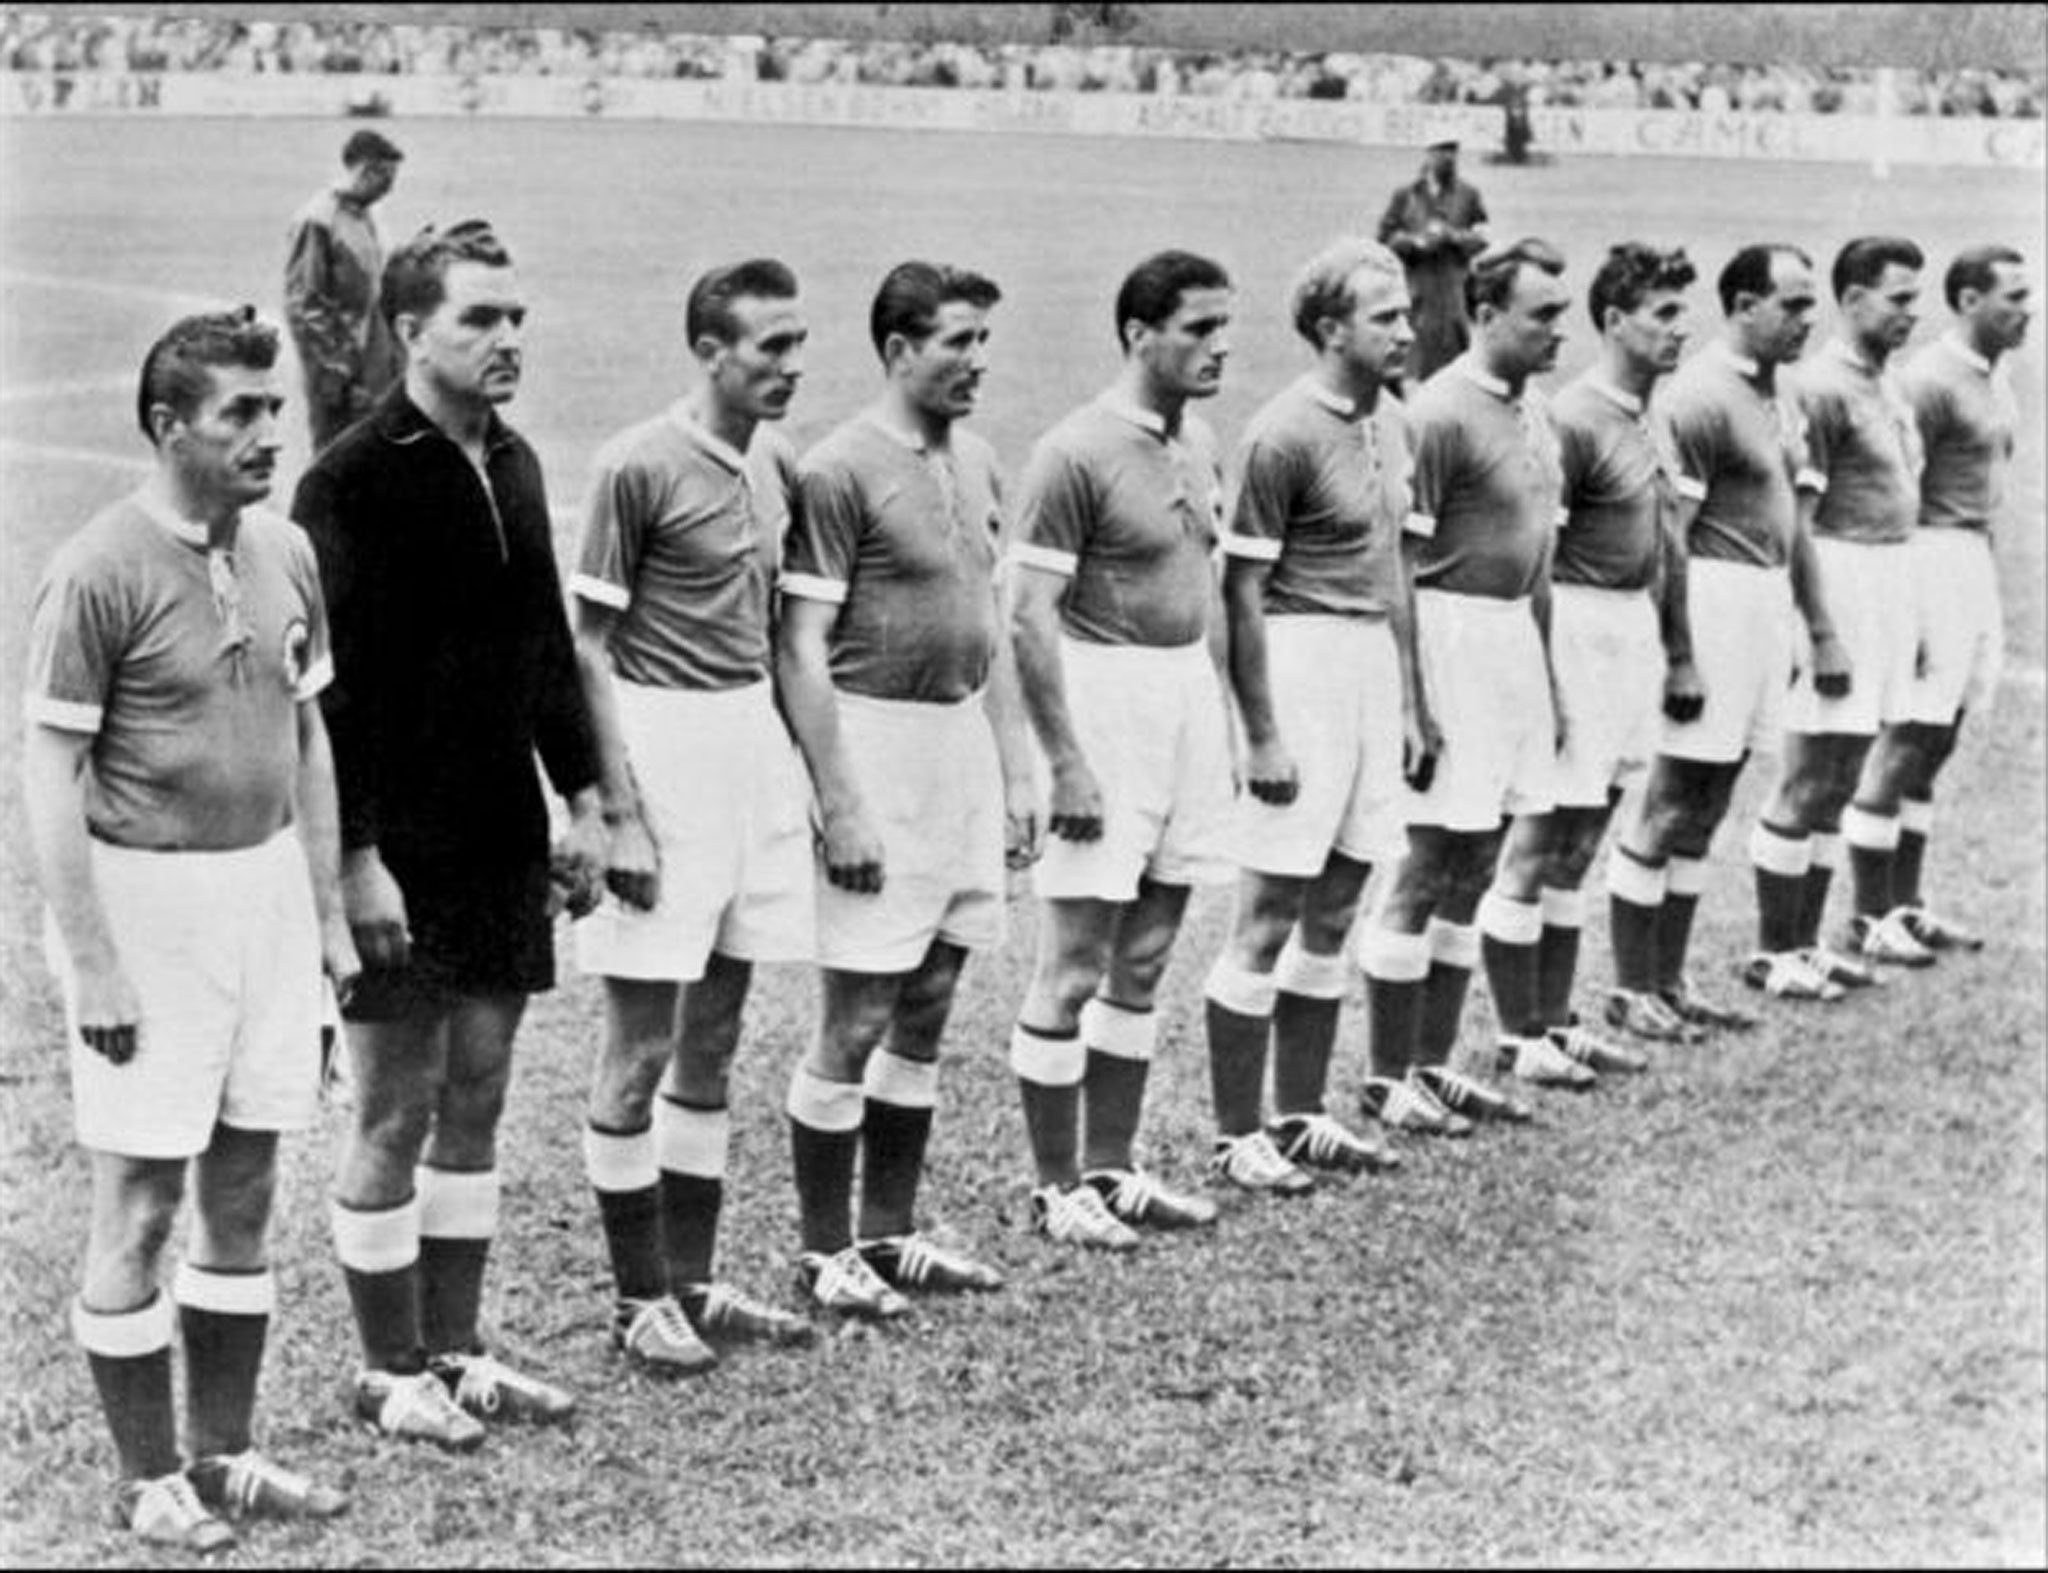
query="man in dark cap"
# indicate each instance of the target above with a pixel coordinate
(1436, 225)
(332, 265)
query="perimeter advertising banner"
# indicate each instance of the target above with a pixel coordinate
(1623, 133)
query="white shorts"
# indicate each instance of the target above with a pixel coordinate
(1152, 725)
(1488, 688)
(1608, 656)
(1869, 594)
(1742, 620)
(223, 952)
(1961, 625)
(1336, 686)
(729, 807)
(929, 776)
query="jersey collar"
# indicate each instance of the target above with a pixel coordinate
(1126, 408)
(1953, 343)
(1736, 361)
(706, 439)
(1849, 355)
(173, 524)
(1621, 397)
(1336, 404)
(1468, 367)
(896, 431)
(402, 421)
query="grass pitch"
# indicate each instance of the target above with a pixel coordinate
(1780, 1301)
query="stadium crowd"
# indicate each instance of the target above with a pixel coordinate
(32, 42)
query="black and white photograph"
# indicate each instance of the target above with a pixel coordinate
(1046, 785)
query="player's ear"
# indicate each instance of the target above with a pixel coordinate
(705, 347)
(894, 347)
(163, 423)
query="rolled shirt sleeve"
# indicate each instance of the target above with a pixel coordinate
(825, 541)
(1055, 510)
(70, 651)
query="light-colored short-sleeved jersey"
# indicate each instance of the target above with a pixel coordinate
(186, 667)
(1968, 417)
(1861, 435)
(683, 538)
(903, 538)
(1487, 484)
(1322, 491)
(1131, 513)
(1619, 483)
(1741, 448)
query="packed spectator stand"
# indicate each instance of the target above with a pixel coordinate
(31, 42)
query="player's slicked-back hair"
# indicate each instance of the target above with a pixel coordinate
(709, 308)
(416, 276)
(908, 300)
(1632, 273)
(1749, 272)
(1324, 288)
(1493, 275)
(177, 371)
(1151, 292)
(1864, 259)
(1977, 269)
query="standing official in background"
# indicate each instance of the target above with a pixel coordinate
(180, 795)
(1436, 225)
(453, 667)
(332, 268)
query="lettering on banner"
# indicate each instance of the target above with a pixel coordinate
(1022, 111)
(2017, 143)
(1563, 130)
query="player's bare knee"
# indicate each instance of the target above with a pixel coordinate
(854, 1023)
(623, 1084)
(471, 1105)
(1567, 867)
(127, 1241)
(1418, 889)
(1323, 930)
(1137, 966)
(389, 1132)
(921, 1014)
(231, 1225)
(1257, 940)
(1053, 1001)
